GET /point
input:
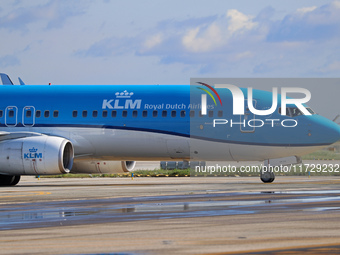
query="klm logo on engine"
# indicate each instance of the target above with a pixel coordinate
(123, 101)
(33, 154)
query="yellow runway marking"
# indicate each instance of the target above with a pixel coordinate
(28, 194)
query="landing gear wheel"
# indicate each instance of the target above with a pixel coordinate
(267, 177)
(9, 180)
(15, 180)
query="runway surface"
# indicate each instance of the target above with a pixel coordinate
(171, 215)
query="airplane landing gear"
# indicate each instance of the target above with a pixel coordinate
(9, 180)
(267, 176)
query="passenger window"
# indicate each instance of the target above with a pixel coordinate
(134, 114)
(47, 114)
(220, 113)
(11, 114)
(38, 114)
(29, 114)
(75, 114)
(155, 114)
(104, 114)
(145, 114)
(124, 114)
(84, 114)
(1, 113)
(211, 114)
(55, 114)
(95, 114)
(173, 114)
(114, 114)
(182, 114)
(164, 114)
(192, 114)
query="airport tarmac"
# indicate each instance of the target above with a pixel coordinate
(171, 215)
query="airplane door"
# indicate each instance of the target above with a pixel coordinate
(248, 115)
(28, 115)
(11, 116)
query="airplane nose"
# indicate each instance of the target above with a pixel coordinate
(323, 130)
(337, 131)
(332, 131)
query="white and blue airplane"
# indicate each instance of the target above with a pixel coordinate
(58, 129)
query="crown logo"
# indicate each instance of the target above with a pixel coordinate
(124, 94)
(33, 150)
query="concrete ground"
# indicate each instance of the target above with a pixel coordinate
(171, 215)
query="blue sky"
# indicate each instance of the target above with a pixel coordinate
(167, 42)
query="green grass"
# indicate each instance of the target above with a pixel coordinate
(322, 155)
(162, 173)
(153, 173)
(137, 173)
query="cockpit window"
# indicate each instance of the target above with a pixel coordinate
(287, 111)
(294, 111)
(310, 111)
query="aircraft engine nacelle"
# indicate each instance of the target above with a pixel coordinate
(103, 167)
(36, 155)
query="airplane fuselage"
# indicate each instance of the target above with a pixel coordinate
(158, 122)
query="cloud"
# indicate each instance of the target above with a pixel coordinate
(308, 23)
(196, 35)
(239, 21)
(304, 10)
(207, 38)
(202, 41)
(334, 66)
(9, 60)
(108, 47)
(153, 41)
(53, 14)
(236, 40)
